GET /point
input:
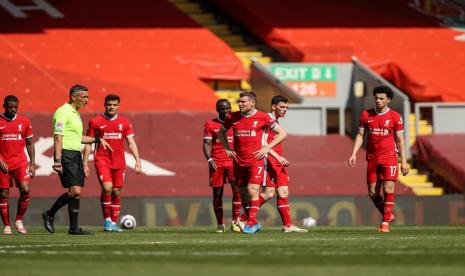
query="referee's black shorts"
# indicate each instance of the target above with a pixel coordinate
(73, 169)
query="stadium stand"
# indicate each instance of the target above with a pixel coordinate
(406, 47)
(443, 153)
(153, 52)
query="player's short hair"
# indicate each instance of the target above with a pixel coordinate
(76, 89)
(112, 97)
(384, 89)
(250, 94)
(222, 101)
(278, 99)
(10, 98)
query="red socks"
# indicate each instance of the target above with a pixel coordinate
(254, 207)
(284, 210)
(4, 211)
(23, 203)
(388, 206)
(236, 205)
(261, 200)
(115, 208)
(105, 202)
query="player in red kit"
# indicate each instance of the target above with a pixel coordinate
(111, 165)
(221, 166)
(15, 134)
(277, 177)
(384, 128)
(249, 149)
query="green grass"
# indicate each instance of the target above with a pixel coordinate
(357, 250)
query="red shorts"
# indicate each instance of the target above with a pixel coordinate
(382, 170)
(276, 176)
(221, 176)
(115, 176)
(20, 174)
(249, 175)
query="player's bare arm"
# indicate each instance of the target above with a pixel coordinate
(283, 161)
(224, 141)
(92, 140)
(281, 134)
(135, 153)
(57, 148)
(3, 166)
(31, 152)
(404, 168)
(85, 159)
(207, 149)
(357, 145)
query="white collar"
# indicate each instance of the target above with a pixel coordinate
(387, 110)
(250, 115)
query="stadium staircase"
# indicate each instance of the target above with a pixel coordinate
(245, 47)
(419, 181)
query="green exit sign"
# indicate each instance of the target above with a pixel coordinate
(304, 72)
(308, 80)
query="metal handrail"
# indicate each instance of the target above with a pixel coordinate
(434, 106)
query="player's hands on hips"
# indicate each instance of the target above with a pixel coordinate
(352, 161)
(105, 144)
(212, 165)
(260, 154)
(404, 168)
(3, 166)
(283, 161)
(231, 153)
(138, 167)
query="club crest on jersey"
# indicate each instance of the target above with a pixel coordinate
(120, 127)
(387, 123)
(20, 127)
(255, 123)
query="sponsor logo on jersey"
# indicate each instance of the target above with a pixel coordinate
(103, 126)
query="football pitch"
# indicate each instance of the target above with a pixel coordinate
(351, 250)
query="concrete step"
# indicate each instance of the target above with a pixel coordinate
(418, 184)
(190, 8)
(245, 85)
(436, 191)
(249, 54)
(204, 19)
(414, 178)
(232, 39)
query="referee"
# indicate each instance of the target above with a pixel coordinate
(67, 130)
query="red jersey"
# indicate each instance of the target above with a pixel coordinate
(114, 131)
(249, 134)
(13, 134)
(218, 154)
(278, 148)
(381, 129)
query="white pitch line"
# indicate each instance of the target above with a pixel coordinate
(83, 244)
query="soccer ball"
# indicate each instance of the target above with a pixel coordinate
(127, 222)
(309, 222)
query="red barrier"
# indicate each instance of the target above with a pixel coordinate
(149, 52)
(171, 145)
(408, 48)
(445, 155)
